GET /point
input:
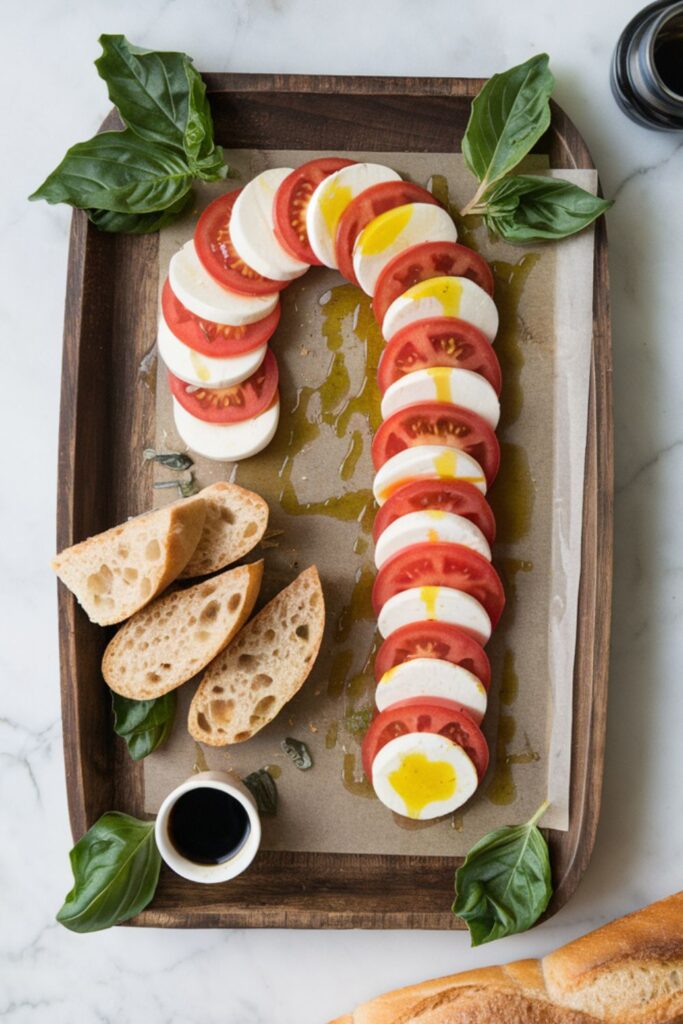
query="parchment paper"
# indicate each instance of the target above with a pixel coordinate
(318, 468)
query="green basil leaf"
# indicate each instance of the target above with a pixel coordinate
(137, 223)
(507, 118)
(261, 785)
(120, 172)
(205, 158)
(144, 724)
(298, 753)
(504, 884)
(526, 208)
(116, 869)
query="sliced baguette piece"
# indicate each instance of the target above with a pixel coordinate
(177, 635)
(115, 573)
(236, 519)
(264, 666)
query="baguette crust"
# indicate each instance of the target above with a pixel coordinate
(628, 972)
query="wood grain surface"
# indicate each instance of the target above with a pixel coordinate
(107, 419)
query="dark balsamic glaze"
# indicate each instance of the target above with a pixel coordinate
(207, 825)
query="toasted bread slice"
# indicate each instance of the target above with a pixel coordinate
(117, 572)
(177, 635)
(236, 519)
(267, 662)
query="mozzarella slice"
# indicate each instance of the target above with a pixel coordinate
(443, 604)
(443, 296)
(432, 677)
(392, 232)
(252, 232)
(227, 442)
(204, 297)
(433, 461)
(330, 199)
(198, 369)
(423, 775)
(443, 384)
(430, 525)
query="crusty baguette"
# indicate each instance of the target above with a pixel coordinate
(628, 972)
(115, 573)
(176, 636)
(236, 519)
(264, 666)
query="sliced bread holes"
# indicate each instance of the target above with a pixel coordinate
(100, 582)
(203, 723)
(227, 516)
(246, 660)
(153, 550)
(221, 711)
(260, 682)
(269, 636)
(302, 631)
(234, 602)
(209, 612)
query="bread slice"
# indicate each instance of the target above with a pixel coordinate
(177, 635)
(236, 519)
(117, 572)
(267, 662)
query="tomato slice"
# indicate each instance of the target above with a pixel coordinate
(440, 564)
(292, 199)
(458, 496)
(218, 255)
(364, 208)
(438, 423)
(432, 639)
(230, 405)
(210, 339)
(442, 341)
(419, 715)
(428, 259)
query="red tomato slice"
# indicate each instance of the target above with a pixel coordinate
(438, 423)
(291, 201)
(441, 717)
(218, 255)
(440, 564)
(428, 259)
(230, 405)
(364, 208)
(458, 496)
(432, 639)
(217, 340)
(442, 341)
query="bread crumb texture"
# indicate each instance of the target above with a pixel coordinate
(236, 520)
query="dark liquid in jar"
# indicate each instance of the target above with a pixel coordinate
(668, 56)
(208, 826)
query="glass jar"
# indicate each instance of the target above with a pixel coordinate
(647, 67)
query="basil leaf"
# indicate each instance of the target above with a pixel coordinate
(161, 97)
(261, 785)
(116, 869)
(120, 172)
(137, 223)
(507, 118)
(144, 724)
(172, 460)
(298, 753)
(525, 208)
(504, 885)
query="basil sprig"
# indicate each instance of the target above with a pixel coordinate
(116, 868)
(507, 119)
(144, 724)
(504, 884)
(137, 180)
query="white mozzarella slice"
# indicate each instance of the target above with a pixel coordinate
(252, 232)
(423, 775)
(443, 296)
(443, 384)
(330, 199)
(392, 232)
(430, 525)
(201, 370)
(204, 297)
(442, 604)
(431, 461)
(432, 677)
(227, 442)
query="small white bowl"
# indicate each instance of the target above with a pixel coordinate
(209, 873)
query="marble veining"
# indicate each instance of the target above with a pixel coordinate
(50, 99)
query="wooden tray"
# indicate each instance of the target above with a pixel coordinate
(105, 422)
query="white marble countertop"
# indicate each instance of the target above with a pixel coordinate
(51, 97)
